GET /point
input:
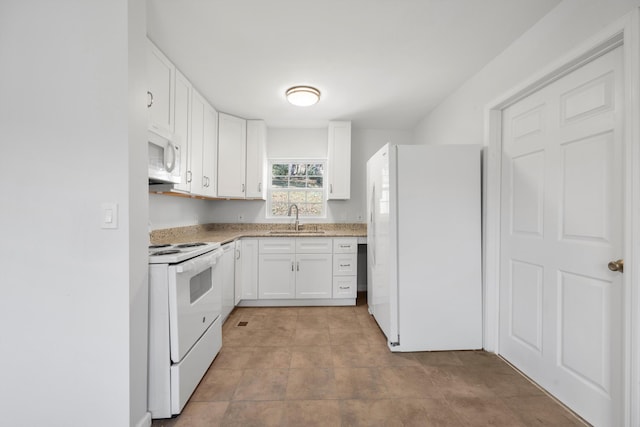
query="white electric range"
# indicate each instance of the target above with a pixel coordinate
(185, 325)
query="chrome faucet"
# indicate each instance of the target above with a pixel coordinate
(293, 205)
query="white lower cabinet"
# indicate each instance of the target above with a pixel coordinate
(299, 268)
(295, 271)
(227, 268)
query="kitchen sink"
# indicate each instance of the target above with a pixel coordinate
(297, 232)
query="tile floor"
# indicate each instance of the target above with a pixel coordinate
(329, 366)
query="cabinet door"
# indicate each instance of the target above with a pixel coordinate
(232, 143)
(313, 276)
(160, 81)
(182, 117)
(209, 150)
(246, 269)
(256, 159)
(197, 144)
(314, 245)
(339, 162)
(277, 276)
(228, 278)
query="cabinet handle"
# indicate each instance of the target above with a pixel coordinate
(243, 188)
(345, 287)
(150, 99)
(189, 176)
(331, 188)
(260, 187)
(237, 253)
(291, 265)
(298, 266)
(345, 265)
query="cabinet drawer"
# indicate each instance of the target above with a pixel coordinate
(345, 245)
(345, 287)
(345, 264)
(313, 245)
(276, 245)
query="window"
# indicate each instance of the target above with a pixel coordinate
(299, 182)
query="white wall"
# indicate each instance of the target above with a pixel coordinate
(459, 119)
(167, 211)
(70, 103)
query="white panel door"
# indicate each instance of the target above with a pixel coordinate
(560, 306)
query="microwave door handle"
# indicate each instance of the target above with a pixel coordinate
(170, 156)
(200, 263)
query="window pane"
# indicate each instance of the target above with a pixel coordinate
(280, 196)
(298, 169)
(315, 197)
(280, 169)
(315, 169)
(279, 209)
(315, 182)
(309, 209)
(297, 196)
(298, 182)
(280, 182)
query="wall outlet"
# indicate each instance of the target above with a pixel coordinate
(359, 218)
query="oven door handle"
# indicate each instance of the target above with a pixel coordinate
(200, 263)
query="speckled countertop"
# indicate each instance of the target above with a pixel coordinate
(225, 233)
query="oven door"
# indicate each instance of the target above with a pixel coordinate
(195, 301)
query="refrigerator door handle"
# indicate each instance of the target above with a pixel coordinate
(373, 224)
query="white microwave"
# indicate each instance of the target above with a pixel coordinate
(164, 156)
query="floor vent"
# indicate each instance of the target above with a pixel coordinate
(243, 323)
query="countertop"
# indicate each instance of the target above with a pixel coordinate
(225, 233)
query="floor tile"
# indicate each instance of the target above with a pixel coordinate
(313, 337)
(311, 357)
(311, 383)
(542, 411)
(262, 384)
(202, 414)
(484, 412)
(217, 385)
(407, 381)
(359, 383)
(270, 358)
(312, 413)
(326, 366)
(254, 414)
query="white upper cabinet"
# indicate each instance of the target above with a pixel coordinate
(182, 124)
(232, 144)
(256, 159)
(160, 89)
(339, 161)
(204, 132)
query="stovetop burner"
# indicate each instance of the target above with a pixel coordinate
(190, 245)
(167, 252)
(165, 245)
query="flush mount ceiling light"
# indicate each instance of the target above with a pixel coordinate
(303, 96)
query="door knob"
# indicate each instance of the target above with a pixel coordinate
(616, 265)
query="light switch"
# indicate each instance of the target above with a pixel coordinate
(109, 215)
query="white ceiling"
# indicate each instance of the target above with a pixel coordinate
(381, 63)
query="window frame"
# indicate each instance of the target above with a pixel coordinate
(270, 188)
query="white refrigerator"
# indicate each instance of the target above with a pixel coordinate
(424, 246)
